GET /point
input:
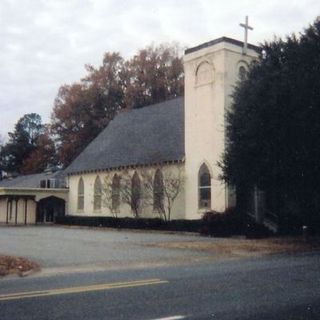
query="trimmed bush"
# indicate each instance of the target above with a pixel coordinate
(232, 222)
(132, 223)
(225, 224)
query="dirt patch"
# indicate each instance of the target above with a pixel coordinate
(17, 265)
(244, 247)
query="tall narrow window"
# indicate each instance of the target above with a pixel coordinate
(135, 193)
(242, 73)
(80, 194)
(158, 191)
(204, 187)
(97, 194)
(115, 193)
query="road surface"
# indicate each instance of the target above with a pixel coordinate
(278, 287)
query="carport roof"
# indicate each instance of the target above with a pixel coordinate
(31, 180)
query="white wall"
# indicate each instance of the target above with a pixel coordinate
(178, 209)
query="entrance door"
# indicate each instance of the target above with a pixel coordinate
(48, 209)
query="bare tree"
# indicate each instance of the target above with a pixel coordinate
(125, 189)
(144, 189)
(131, 192)
(111, 194)
(161, 188)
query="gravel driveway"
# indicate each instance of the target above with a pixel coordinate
(55, 246)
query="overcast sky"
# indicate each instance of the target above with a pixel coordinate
(46, 43)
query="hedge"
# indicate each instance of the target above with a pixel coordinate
(212, 223)
(132, 223)
(231, 222)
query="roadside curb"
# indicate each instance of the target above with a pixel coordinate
(114, 266)
(195, 234)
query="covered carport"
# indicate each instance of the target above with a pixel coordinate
(31, 199)
(30, 206)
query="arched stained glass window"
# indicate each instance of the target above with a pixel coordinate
(135, 193)
(204, 187)
(97, 194)
(115, 193)
(80, 194)
(158, 191)
(242, 73)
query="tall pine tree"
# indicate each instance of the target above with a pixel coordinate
(273, 128)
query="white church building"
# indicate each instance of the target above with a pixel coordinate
(157, 161)
(167, 152)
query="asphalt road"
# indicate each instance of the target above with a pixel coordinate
(278, 287)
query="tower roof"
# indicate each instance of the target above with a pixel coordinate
(219, 40)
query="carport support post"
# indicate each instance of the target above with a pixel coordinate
(16, 220)
(25, 210)
(7, 218)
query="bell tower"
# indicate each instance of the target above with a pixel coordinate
(211, 71)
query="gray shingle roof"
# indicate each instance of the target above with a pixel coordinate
(148, 135)
(30, 180)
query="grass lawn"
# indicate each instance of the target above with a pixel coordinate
(233, 247)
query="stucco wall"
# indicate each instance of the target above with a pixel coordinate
(210, 74)
(177, 211)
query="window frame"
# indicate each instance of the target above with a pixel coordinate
(204, 202)
(80, 203)
(115, 193)
(97, 194)
(136, 192)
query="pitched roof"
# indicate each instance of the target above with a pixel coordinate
(148, 135)
(31, 180)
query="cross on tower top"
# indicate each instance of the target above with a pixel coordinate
(246, 28)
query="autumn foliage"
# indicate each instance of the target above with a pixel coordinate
(83, 109)
(42, 156)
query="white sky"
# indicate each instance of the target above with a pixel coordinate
(46, 43)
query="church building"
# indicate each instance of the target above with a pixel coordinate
(161, 160)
